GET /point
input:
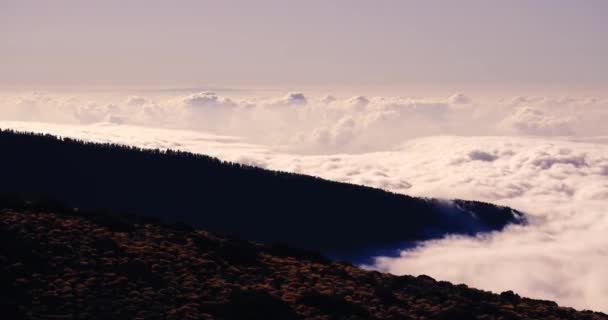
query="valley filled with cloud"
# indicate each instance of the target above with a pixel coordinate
(546, 156)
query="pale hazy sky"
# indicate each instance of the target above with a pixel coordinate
(461, 44)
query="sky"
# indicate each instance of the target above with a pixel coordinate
(498, 101)
(412, 46)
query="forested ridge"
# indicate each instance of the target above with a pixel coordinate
(245, 201)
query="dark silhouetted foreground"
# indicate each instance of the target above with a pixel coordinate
(252, 203)
(79, 265)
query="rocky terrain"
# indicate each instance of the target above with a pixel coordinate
(72, 264)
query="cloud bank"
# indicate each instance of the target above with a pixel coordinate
(310, 124)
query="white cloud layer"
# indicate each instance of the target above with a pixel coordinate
(548, 157)
(304, 124)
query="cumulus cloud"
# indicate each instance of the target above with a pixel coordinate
(358, 103)
(291, 99)
(208, 100)
(533, 121)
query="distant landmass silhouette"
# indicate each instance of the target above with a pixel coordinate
(339, 219)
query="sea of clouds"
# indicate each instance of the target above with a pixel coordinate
(321, 125)
(545, 156)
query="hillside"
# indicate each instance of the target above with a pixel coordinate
(341, 220)
(84, 265)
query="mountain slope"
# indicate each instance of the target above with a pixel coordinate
(252, 203)
(79, 265)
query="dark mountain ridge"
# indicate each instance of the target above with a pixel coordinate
(339, 219)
